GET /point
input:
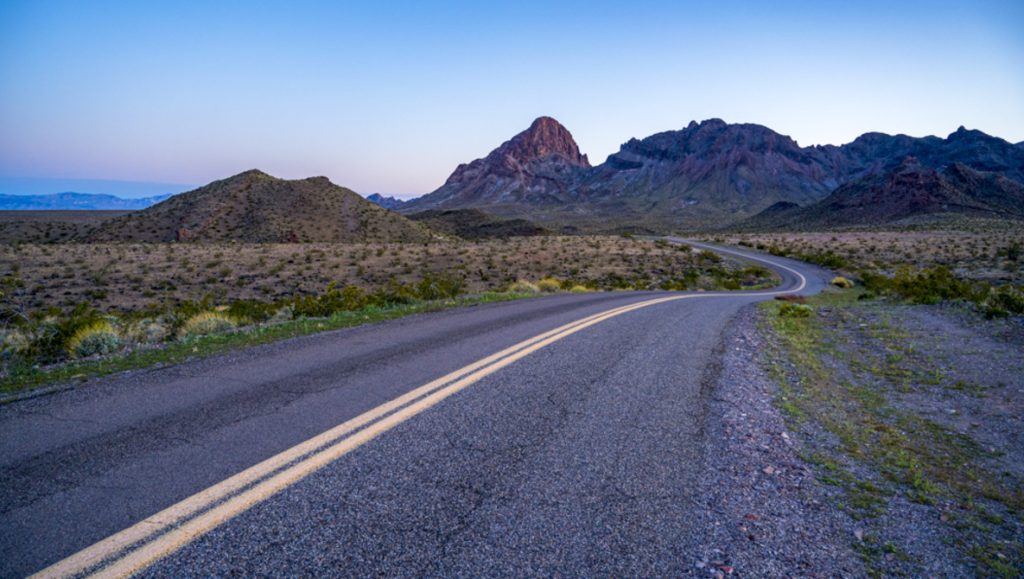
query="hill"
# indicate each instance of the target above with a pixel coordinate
(910, 190)
(475, 224)
(256, 207)
(75, 201)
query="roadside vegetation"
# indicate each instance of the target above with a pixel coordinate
(984, 268)
(917, 431)
(115, 317)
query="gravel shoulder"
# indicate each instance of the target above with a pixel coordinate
(907, 419)
(762, 511)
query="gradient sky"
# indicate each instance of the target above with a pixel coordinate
(391, 96)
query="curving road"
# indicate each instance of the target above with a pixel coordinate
(559, 435)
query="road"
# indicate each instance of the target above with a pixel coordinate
(557, 435)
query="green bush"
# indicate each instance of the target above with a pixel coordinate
(927, 286)
(206, 323)
(1004, 301)
(98, 337)
(549, 285)
(439, 287)
(791, 310)
(45, 335)
(332, 301)
(709, 256)
(252, 311)
(841, 282)
(523, 287)
(824, 259)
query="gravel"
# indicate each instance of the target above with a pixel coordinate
(762, 511)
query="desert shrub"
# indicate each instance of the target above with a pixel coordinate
(710, 256)
(523, 287)
(674, 285)
(145, 331)
(579, 289)
(206, 323)
(253, 311)
(44, 336)
(1004, 301)
(824, 259)
(841, 282)
(433, 287)
(795, 310)
(98, 337)
(282, 315)
(1013, 252)
(930, 286)
(549, 285)
(332, 301)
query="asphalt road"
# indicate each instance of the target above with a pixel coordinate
(574, 456)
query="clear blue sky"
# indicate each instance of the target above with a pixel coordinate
(391, 96)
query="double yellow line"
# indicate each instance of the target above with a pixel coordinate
(135, 548)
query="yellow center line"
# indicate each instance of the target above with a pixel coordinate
(179, 530)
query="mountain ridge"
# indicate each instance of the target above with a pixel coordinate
(908, 190)
(707, 174)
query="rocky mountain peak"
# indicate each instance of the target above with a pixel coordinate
(545, 137)
(538, 165)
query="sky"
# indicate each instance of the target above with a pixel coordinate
(387, 96)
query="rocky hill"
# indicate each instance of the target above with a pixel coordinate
(256, 207)
(706, 175)
(906, 191)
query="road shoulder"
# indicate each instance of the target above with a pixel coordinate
(763, 513)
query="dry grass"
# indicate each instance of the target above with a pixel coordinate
(982, 254)
(135, 276)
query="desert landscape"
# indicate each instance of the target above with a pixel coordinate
(512, 290)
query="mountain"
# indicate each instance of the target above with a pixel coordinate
(538, 166)
(706, 175)
(392, 203)
(75, 201)
(256, 207)
(878, 152)
(909, 190)
(475, 224)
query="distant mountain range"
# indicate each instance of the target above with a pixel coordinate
(392, 203)
(76, 201)
(708, 175)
